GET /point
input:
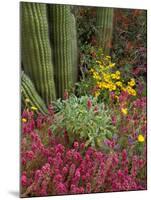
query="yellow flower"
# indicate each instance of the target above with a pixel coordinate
(96, 76)
(34, 108)
(124, 111)
(131, 91)
(108, 57)
(27, 100)
(97, 93)
(106, 77)
(91, 70)
(24, 120)
(140, 138)
(119, 83)
(118, 73)
(112, 65)
(116, 97)
(113, 76)
(99, 62)
(99, 84)
(132, 82)
(124, 89)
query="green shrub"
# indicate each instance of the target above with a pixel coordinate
(83, 119)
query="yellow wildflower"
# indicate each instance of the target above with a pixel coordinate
(99, 62)
(124, 89)
(34, 108)
(101, 67)
(108, 57)
(106, 77)
(112, 65)
(132, 82)
(131, 91)
(91, 70)
(116, 97)
(27, 100)
(99, 84)
(124, 111)
(24, 120)
(117, 74)
(97, 93)
(113, 87)
(140, 138)
(96, 76)
(119, 83)
(113, 76)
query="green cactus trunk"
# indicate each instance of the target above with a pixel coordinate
(28, 91)
(74, 48)
(104, 23)
(36, 51)
(61, 25)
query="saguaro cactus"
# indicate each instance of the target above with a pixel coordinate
(104, 23)
(28, 91)
(36, 51)
(61, 27)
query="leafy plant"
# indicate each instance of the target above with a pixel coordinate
(82, 118)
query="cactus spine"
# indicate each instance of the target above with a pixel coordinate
(29, 92)
(60, 18)
(104, 23)
(36, 51)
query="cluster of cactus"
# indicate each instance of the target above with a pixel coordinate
(47, 48)
(29, 92)
(104, 23)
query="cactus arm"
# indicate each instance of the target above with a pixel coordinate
(104, 23)
(28, 91)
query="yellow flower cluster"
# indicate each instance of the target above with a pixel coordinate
(105, 79)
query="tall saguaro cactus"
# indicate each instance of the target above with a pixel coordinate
(36, 51)
(104, 23)
(61, 27)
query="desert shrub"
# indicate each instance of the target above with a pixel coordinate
(82, 118)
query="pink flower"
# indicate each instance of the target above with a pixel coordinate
(89, 104)
(82, 146)
(24, 180)
(64, 170)
(88, 187)
(124, 154)
(76, 145)
(61, 188)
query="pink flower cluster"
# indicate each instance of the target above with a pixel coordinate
(52, 168)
